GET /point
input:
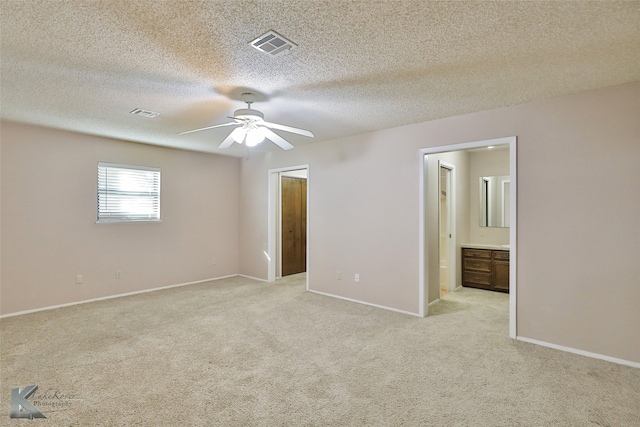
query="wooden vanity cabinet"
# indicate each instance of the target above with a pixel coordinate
(501, 270)
(485, 269)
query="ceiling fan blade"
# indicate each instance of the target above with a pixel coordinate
(277, 139)
(288, 129)
(209, 127)
(228, 141)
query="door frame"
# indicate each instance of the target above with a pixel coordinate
(452, 261)
(423, 236)
(274, 206)
(504, 184)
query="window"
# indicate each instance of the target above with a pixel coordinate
(128, 193)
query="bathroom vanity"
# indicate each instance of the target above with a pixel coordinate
(485, 267)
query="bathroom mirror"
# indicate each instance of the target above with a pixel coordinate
(494, 201)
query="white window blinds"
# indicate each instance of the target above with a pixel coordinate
(128, 193)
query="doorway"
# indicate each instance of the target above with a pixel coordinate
(293, 224)
(446, 227)
(429, 231)
(277, 234)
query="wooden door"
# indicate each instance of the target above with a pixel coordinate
(294, 225)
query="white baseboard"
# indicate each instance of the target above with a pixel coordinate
(53, 307)
(365, 303)
(253, 278)
(581, 352)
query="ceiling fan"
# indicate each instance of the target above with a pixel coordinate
(252, 128)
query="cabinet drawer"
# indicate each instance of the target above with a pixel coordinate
(483, 265)
(501, 255)
(476, 253)
(478, 278)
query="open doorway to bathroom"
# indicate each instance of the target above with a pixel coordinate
(467, 164)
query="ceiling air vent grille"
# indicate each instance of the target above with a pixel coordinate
(272, 44)
(145, 113)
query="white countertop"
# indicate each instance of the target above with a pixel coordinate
(485, 246)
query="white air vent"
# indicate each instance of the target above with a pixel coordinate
(145, 113)
(272, 44)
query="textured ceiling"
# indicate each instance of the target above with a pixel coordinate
(359, 66)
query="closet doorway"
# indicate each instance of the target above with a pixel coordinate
(293, 225)
(287, 248)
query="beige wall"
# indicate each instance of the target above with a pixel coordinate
(48, 213)
(578, 275)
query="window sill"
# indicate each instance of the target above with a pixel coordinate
(150, 221)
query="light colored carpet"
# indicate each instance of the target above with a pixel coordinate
(236, 352)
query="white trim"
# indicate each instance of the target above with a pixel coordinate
(290, 168)
(433, 302)
(252, 278)
(143, 221)
(272, 226)
(132, 167)
(513, 228)
(308, 235)
(452, 252)
(580, 352)
(422, 248)
(423, 253)
(278, 222)
(272, 218)
(144, 291)
(365, 303)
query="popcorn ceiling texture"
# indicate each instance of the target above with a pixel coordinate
(360, 66)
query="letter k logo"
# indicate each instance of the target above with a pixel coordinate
(21, 407)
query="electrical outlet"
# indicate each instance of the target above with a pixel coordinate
(119, 274)
(339, 275)
(214, 261)
(357, 278)
(79, 279)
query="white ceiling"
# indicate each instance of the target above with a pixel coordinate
(359, 66)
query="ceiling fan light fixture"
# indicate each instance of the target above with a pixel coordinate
(248, 114)
(255, 136)
(238, 134)
(253, 129)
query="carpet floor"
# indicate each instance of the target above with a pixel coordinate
(237, 352)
